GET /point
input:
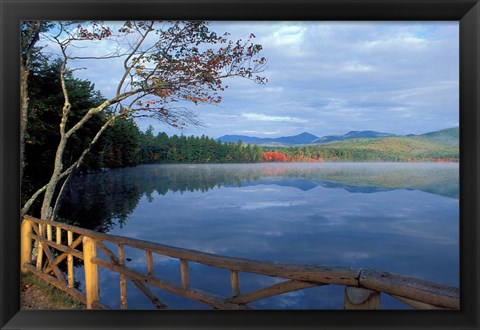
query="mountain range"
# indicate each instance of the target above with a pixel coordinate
(447, 136)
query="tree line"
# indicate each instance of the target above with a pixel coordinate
(125, 145)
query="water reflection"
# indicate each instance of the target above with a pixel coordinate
(107, 198)
(401, 218)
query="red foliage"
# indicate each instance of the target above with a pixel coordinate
(276, 156)
(273, 156)
(95, 31)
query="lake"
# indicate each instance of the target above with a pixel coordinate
(396, 217)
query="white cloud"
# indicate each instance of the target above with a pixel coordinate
(277, 89)
(289, 34)
(436, 88)
(264, 117)
(356, 67)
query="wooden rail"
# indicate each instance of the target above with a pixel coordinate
(362, 286)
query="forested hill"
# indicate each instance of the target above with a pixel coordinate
(438, 146)
(447, 136)
(433, 146)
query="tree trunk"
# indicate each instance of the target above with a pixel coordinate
(46, 210)
(24, 73)
(27, 47)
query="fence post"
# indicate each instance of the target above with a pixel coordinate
(360, 298)
(26, 244)
(41, 234)
(184, 273)
(235, 282)
(91, 271)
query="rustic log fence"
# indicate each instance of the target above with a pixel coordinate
(362, 287)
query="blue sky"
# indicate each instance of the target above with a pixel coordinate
(329, 78)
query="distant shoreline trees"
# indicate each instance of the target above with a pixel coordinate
(126, 145)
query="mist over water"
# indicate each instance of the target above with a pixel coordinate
(396, 217)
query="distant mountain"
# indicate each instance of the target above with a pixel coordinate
(447, 137)
(351, 135)
(303, 138)
(244, 139)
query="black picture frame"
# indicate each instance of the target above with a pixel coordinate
(467, 12)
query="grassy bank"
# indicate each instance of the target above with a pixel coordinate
(38, 294)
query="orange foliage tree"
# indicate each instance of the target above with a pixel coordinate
(273, 156)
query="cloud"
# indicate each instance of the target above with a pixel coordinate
(289, 35)
(276, 89)
(356, 67)
(329, 78)
(263, 117)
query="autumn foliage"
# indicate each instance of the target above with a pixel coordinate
(273, 156)
(276, 156)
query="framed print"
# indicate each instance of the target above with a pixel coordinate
(240, 164)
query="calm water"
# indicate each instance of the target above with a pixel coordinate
(401, 218)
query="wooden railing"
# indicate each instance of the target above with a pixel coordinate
(362, 287)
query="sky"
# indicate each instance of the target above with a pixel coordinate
(328, 78)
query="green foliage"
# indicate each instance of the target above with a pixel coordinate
(193, 150)
(121, 144)
(394, 149)
(42, 134)
(449, 136)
